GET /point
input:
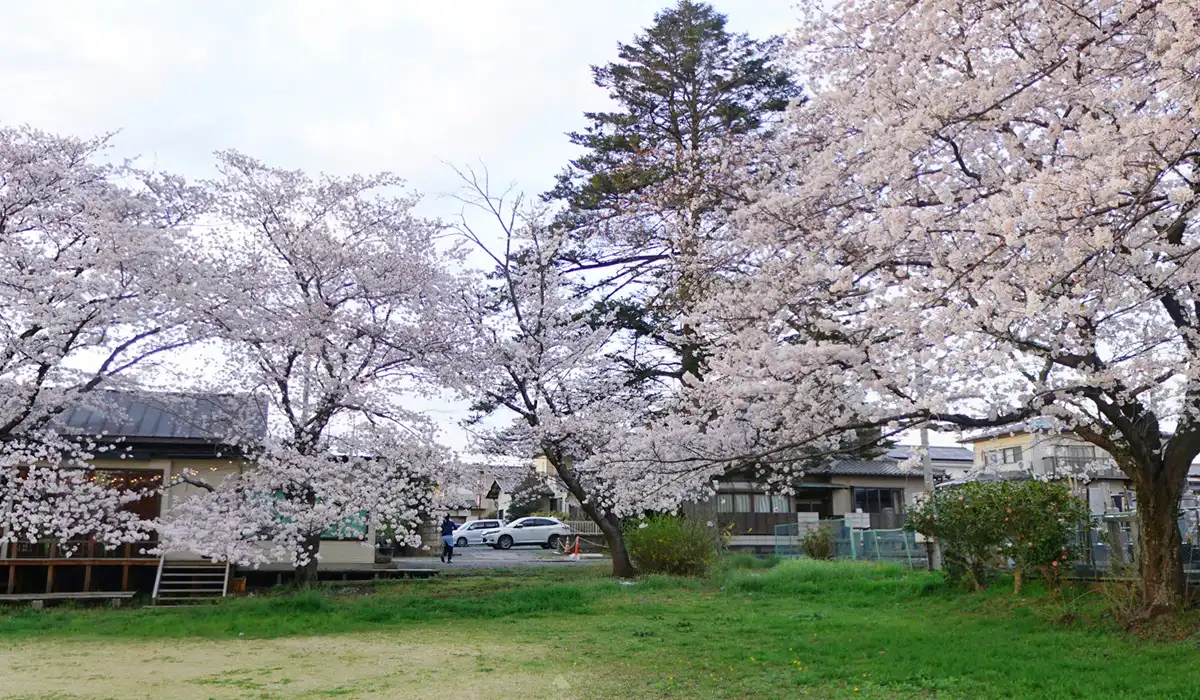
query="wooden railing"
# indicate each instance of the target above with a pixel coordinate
(77, 549)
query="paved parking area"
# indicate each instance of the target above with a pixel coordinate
(481, 557)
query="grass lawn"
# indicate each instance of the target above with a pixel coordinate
(799, 629)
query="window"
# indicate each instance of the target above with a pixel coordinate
(781, 504)
(741, 503)
(483, 525)
(762, 503)
(1076, 451)
(353, 527)
(878, 500)
(149, 506)
(724, 503)
(1007, 455)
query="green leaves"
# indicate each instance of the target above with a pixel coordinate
(1017, 526)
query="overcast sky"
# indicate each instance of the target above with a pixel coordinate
(341, 87)
(346, 86)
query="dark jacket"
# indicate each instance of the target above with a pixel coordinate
(448, 527)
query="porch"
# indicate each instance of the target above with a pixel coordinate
(79, 566)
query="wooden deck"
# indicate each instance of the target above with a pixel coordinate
(53, 557)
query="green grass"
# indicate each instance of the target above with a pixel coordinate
(800, 628)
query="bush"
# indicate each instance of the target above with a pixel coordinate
(1021, 527)
(671, 544)
(965, 526)
(819, 543)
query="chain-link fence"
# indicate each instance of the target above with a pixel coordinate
(1108, 546)
(899, 546)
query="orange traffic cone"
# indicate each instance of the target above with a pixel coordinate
(575, 556)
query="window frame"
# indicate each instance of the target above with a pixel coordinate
(895, 498)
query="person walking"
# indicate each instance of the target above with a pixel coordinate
(448, 528)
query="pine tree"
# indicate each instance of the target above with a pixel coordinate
(639, 199)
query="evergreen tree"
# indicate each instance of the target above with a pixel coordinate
(639, 199)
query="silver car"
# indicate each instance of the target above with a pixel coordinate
(472, 532)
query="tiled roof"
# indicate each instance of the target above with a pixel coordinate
(936, 452)
(165, 416)
(862, 467)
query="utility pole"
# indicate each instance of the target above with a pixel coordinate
(927, 465)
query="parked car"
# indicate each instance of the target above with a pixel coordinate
(472, 532)
(542, 531)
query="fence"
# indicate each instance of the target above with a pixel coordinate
(891, 545)
(583, 527)
(1108, 546)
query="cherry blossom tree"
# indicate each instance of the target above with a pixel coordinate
(542, 351)
(986, 213)
(91, 280)
(330, 310)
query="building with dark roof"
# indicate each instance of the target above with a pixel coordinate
(163, 425)
(154, 438)
(873, 493)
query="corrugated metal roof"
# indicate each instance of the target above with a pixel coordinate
(936, 452)
(165, 416)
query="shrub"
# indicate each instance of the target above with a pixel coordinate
(1016, 526)
(819, 543)
(671, 544)
(1039, 524)
(964, 525)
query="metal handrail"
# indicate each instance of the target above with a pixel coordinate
(158, 576)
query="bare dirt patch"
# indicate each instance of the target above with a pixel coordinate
(347, 666)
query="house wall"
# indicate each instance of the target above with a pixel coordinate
(1037, 448)
(843, 500)
(334, 553)
(1030, 451)
(953, 469)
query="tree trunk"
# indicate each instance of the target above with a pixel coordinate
(1158, 496)
(1018, 580)
(608, 523)
(622, 567)
(307, 575)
